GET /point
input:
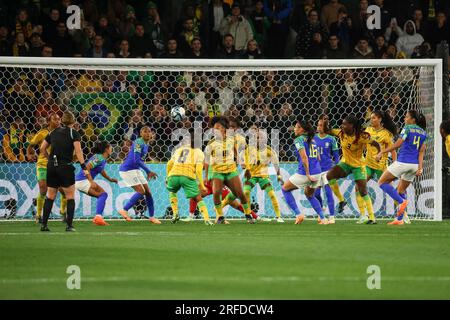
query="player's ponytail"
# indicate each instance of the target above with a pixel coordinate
(306, 125)
(419, 118)
(100, 147)
(386, 121)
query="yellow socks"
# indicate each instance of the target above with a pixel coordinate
(334, 185)
(275, 204)
(40, 204)
(247, 209)
(174, 203)
(369, 207)
(203, 210)
(218, 209)
(361, 204)
(228, 199)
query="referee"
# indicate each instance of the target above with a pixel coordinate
(60, 170)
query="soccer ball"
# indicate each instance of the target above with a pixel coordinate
(178, 113)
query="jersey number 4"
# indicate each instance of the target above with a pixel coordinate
(416, 142)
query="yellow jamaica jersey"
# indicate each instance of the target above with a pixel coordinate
(219, 155)
(257, 161)
(184, 161)
(352, 153)
(385, 139)
(447, 145)
(241, 146)
(37, 140)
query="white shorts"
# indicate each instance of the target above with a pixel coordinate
(404, 171)
(301, 181)
(83, 186)
(133, 177)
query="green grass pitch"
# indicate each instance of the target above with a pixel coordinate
(137, 260)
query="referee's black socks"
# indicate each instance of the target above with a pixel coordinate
(70, 211)
(48, 204)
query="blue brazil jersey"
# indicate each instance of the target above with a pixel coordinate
(98, 164)
(328, 151)
(312, 152)
(136, 156)
(414, 137)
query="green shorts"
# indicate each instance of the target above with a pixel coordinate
(359, 173)
(253, 181)
(373, 173)
(223, 176)
(41, 174)
(190, 187)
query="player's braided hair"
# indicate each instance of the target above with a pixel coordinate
(357, 126)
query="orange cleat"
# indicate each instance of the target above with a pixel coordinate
(99, 221)
(396, 223)
(323, 221)
(154, 220)
(125, 215)
(402, 207)
(299, 219)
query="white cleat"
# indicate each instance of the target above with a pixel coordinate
(188, 219)
(279, 220)
(331, 220)
(406, 219)
(263, 219)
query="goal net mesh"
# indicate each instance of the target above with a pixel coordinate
(112, 103)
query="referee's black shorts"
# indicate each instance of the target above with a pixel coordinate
(60, 176)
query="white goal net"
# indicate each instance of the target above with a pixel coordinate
(113, 98)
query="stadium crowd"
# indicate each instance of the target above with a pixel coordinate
(331, 29)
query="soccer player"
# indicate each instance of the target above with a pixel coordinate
(54, 122)
(329, 155)
(409, 161)
(308, 175)
(383, 130)
(133, 177)
(95, 165)
(220, 155)
(183, 168)
(445, 133)
(353, 140)
(257, 160)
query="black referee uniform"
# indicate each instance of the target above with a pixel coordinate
(60, 169)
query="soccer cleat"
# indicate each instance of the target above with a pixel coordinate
(299, 219)
(209, 223)
(221, 220)
(175, 219)
(44, 228)
(331, 220)
(99, 221)
(279, 220)
(341, 206)
(396, 223)
(39, 220)
(154, 220)
(402, 207)
(323, 221)
(70, 229)
(125, 215)
(188, 219)
(406, 219)
(249, 219)
(371, 222)
(362, 220)
(263, 219)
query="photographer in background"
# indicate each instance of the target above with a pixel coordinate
(239, 27)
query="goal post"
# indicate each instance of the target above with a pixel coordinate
(113, 98)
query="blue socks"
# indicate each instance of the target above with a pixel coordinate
(316, 205)
(101, 201)
(133, 200)
(330, 199)
(318, 196)
(390, 190)
(290, 200)
(150, 206)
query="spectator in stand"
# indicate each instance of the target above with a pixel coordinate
(305, 34)
(284, 122)
(380, 47)
(225, 94)
(396, 109)
(186, 36)
(301, 12)
(97, 50)
(68, 92)
(172, 51)
(252, 51)
(385, 17)
(124, 50)
(20, 48)
(409, 39)
(329, 13)
(23, 24)
(5, 44)
(141, 44)
(189, 11)
(14, 141)
(218, 10)
(36, 45)
(109, 34)
(126, 26)
(83, 38)
(47, 105)
(393, 32)
(359, 20)
(196, 50)
(260, 24)
(50, 25)
(343, 29)
(317, 50)
(363, 50)
(420, 23)
(439, 30)
(334, 51)
(227, 50)
(278, 12)
(47, 51)
(90, 11)
(154, 27)
(18, 102)
(238, 26)
(62, 43)
(391, 52)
